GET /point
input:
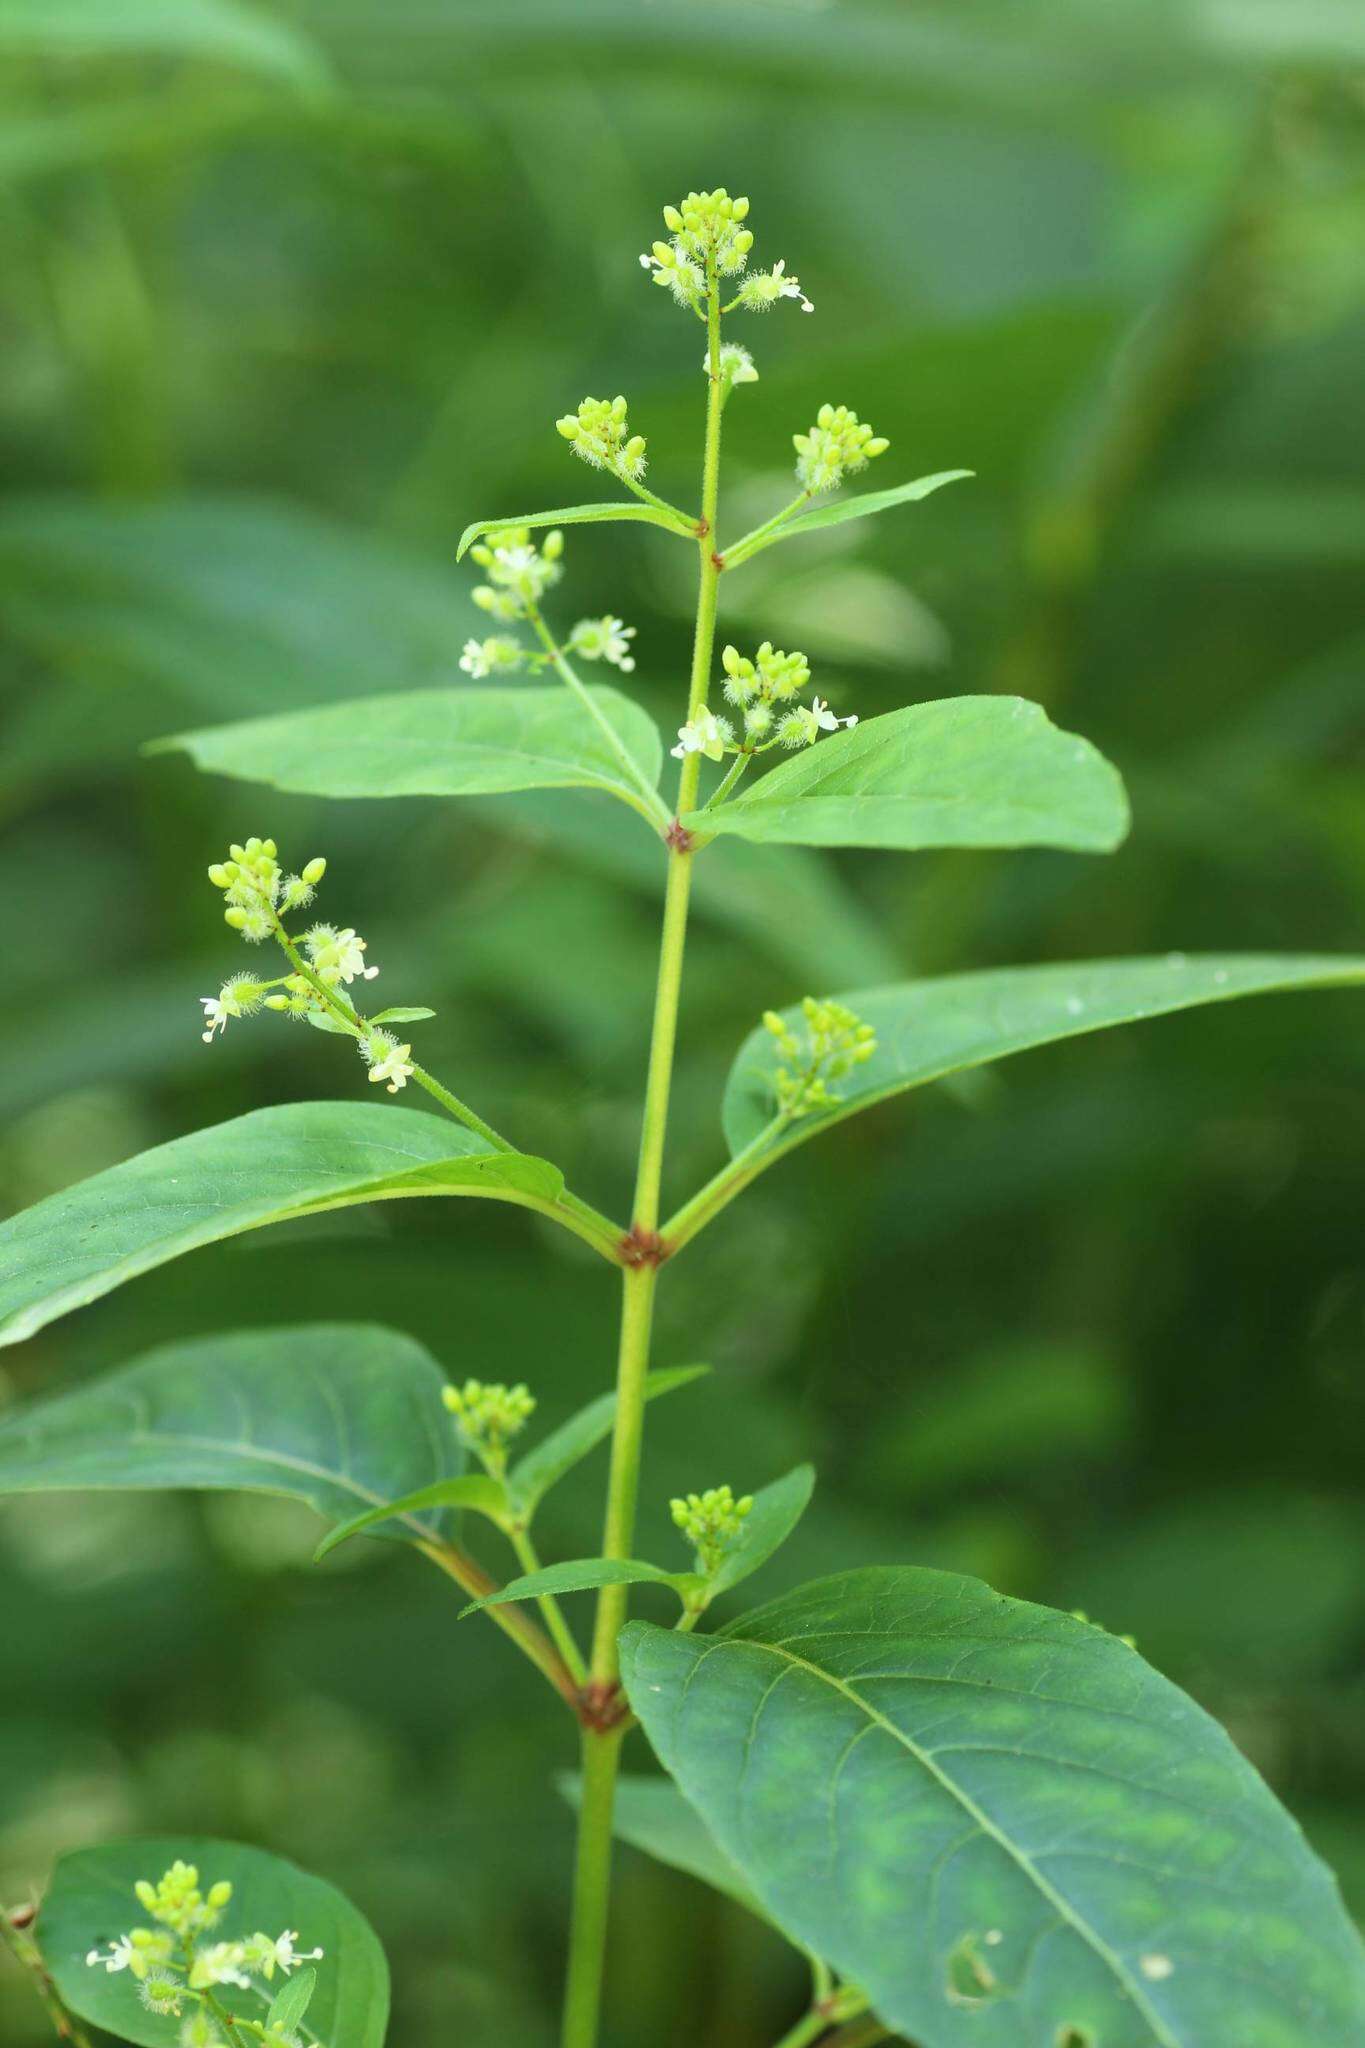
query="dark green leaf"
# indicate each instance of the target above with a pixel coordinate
(576, 515)
(926, 1029)
(581, 1576)
(295, 1160)
(838, 510)
(533, 1476)
(966, 771)
(91, 1901)
(775, 1513)
(336, 1414)
(465, 742)
(474, 1490)
(1081, 1852)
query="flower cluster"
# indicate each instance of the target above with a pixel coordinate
(600, 433)
(708, 236)
(604, 640)
(172, 1963)
(759, 689)
(766, 287)
(519, 572)
(834, 1041)
(834, 447)
(712, 1522)
(488, 1415)
(386, 1059)
(495, 656)
(255, 887)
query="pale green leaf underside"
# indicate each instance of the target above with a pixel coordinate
(775, 1513)
(91, 1900)
(261, 1168)
(546, 1463)
(652, 1815)
(999, 1821)
(583, 1575)
(839, 510)
(926, 1029)
(460, 742)
(965, 771)
(575, 515)
(340, 1415)
(474, 1490)
(292, 2000)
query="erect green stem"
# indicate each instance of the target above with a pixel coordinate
(601, 1747)
(550, 1609)
(649, 803)
(27, 1954)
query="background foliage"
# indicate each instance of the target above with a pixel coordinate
(288, 297)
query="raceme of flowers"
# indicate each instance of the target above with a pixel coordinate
(324, 962)
(175, 1966)
(600, 433)
(761, 691)
(828, 1044)
(712, 1522)
(487, 1416)
(519, 573)
(709, 239)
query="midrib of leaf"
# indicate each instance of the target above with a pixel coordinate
(491, 749)
(1058, 1900)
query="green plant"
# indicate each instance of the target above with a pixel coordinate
(983, 1821)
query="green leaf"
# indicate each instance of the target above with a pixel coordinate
(965, 771)
(775, 1513)
(582, 1575)
(1080, 1851)
(295, 1160)
(216, 31)
(474, 1490)
(840, 509)
(466, 742)
(292, 2001)
(926, 1029)
(577, 515)
(91, 1901)
(533, 1476)
(338, 1415)
(651, 1814)
(416, 1015)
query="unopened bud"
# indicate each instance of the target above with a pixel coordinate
(315, 871)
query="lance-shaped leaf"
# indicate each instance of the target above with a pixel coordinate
(476, 1490)
(339, 1415)
(291, 2001)
(585, 1575)
(544, 1466)
(999, 1821)
(651, 1814)
(272, 1164)
(465, 742)
(91, 1901)
(966, 771)
(839, 510)
(926, 1029)
(580, 515)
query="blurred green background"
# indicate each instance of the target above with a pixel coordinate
(287, 296)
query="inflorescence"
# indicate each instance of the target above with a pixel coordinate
(712, 1522)
(519, 573)
(324, 961)
(175, 1966)
(709, 240)
(759, 690)
(834, 1041)
(487, 1416)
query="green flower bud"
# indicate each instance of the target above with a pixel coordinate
(219, 875)
(314, 871)
(236, 917)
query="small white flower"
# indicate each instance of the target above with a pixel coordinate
(482, 658)
(790, 287)
(120, 1955)
(387, 1060)
(736, 364)
(704, 734)
(825, 718)
(223, 1962)
(474, 661)
(266, 1956)
(604, 640)
(238, 997)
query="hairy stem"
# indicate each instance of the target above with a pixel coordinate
(26, 1953)
(592, 1879)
